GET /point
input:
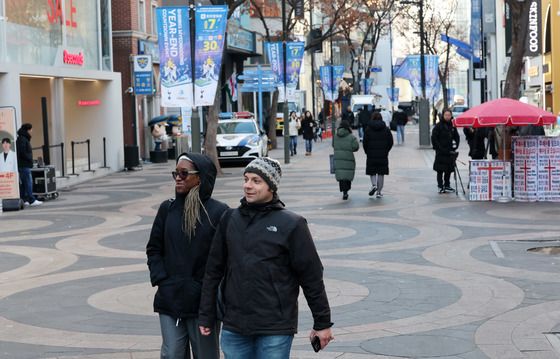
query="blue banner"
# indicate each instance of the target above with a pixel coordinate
(326, 83)
(450, 95)
(338, 73)
(294, 55)
(274, 53)
(175, 56)
(210, 24)
(410, 70)
(476, 16)
(393, 94)
(366, 85)
(143, 75)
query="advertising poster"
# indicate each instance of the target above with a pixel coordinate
(175, 56)
(525, 153)
(326, 83)
(210, 24)
(486, 182)
(393, 93)
(274, 53)
(294, 55)
(338, 74)
(9, 180)
(549, 169)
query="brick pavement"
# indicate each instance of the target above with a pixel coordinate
(412, 275)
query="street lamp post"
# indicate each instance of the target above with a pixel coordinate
(286, 116)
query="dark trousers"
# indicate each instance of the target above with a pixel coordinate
(443, 178)
(344, 185)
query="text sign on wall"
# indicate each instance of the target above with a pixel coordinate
(143, 84)
(533, 41)
(486, 182)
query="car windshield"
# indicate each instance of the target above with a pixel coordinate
(233, 127)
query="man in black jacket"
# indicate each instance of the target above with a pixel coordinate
(177, 252)
(445, 141)
(25, 164)
(263, 253)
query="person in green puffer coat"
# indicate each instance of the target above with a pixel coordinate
(345, 144)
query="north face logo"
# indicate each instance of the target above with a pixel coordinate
(272, 229)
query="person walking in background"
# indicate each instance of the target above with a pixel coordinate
(378, 141)
(308, 126)
(345, 144)
(445, 141)
(348, 116)
(177, 252)
(363, 118)
(293, 132)
(262, 254)
(25, 164)
(401, 119)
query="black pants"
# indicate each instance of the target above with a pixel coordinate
(344, 185)
(443, 178)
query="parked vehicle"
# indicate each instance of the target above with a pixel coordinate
(458, 109)
(239, 138)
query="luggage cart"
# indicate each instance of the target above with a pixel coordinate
(44, 183)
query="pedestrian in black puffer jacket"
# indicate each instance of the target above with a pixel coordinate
(378, 141)
(445, 141)
(263, 253)
(177, 253)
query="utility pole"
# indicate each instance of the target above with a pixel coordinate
(286, 116)
(195, 120)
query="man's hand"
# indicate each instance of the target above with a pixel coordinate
(205, 330)
(325, 336)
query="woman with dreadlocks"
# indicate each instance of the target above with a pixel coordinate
(177, 252)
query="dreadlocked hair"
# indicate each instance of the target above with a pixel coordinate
(191, 212)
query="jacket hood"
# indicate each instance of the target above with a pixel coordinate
(377, 125)
(23, 132)
(206, 171)
(342, 132)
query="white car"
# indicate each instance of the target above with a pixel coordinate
(239, 138)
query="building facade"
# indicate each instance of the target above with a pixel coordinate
(56, 68)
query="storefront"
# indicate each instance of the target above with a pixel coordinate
(56, 69)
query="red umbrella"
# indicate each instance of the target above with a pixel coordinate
(504, 112)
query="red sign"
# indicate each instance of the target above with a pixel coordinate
(73, 59)
(89, 102)
(56, 14)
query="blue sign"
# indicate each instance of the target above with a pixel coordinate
(393, 93)
(366, 85)
(294, 55)
(143, 76)
(476, 16)
(175, 56)
(274, 53)
(210, 24)
(326, 83)
(410, 70)
(376, 69)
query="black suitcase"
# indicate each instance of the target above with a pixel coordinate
(12, 204)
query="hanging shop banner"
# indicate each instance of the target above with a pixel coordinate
(274, 53)
(9, 180)
(533, 41)
(410, 70)
(175, 56)
(433, 86)
(326, 83)
(210, 31)
(143, 75)
(294, 58)
(475, 35)
(366, 86)
(525, 168)
(450, 95)
(486, 180)
(549, 169)
(338, 74)
(393, 93)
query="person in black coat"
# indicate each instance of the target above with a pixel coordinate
(475, 138)
(363, 118)
(262, 254)
(177, 252)
(445, 141)
(401, 119)
(348, 116)
(378, 141)
(308, 126)
(25, 164)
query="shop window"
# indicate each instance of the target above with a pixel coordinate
(154, 22)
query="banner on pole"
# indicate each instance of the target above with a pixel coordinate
(393, 93)
(210, 24)
(338, 74)
(325, 75)
(294, 57)
(274, 53)
(175, 56)
(9, 179)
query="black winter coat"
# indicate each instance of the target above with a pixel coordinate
(264, 253)
(308, 128)
(400, 118)
(377, 141)
(24, 149)
(443, 136)
(363, 118)
(475, 138)
(175, 260)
